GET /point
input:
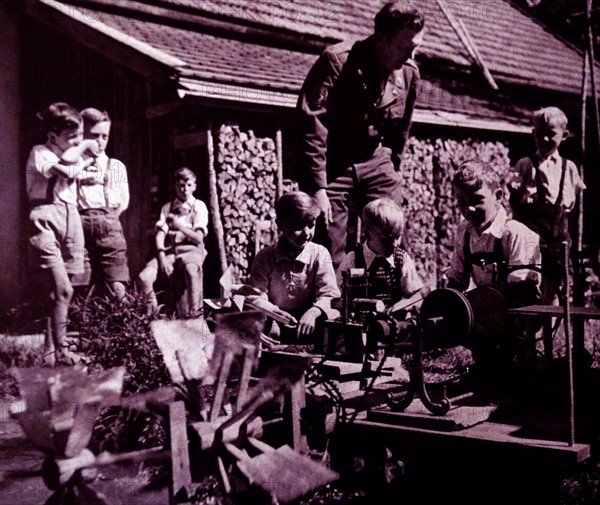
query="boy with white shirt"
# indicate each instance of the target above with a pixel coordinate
(392, 275)
(102, 195)
(486, 244)
(57, 235)
(544, 190)
(180, 233)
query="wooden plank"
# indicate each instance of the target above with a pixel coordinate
(485, 437)
(418, 416)
(556, 311)
(297, 404)
(181, 479)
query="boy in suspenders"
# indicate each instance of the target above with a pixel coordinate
(180, 233)
(390, 271)
(487, 242)
(102, 195)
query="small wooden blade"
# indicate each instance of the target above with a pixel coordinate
(186, 347)
(286, 474)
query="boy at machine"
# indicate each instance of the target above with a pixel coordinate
(295, 276)
(389, 271)
(487, 243)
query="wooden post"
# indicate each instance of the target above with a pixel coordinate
(215, 212)
(578, 288)
(279, 174)
(569, 345)
(181, 478)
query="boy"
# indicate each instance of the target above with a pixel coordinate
(57, 236)
(544, 190)
(102, 195)
(180, 233)
(487, 242)
(295, 275)
(391, 271)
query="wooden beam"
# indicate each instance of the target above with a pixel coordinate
(181, 477)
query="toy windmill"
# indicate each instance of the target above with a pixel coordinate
(232, 439)
(61, 407)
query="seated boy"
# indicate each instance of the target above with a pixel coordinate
(180, 233)
(390, 271)
(295, 275)
(487, 243)
(56, 232)
(102, 195)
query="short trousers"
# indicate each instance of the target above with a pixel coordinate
(57, 236)
(183, 254)
(105, 248)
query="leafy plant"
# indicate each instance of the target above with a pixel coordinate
(115, 333)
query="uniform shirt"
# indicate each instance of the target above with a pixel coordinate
(100, 182)
(520, 246)
(349, 107)
(195, 217)
(410, 281)
(524, 180)
(44, 185)
(295, 283)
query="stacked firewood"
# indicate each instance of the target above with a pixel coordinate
(432, 215)
(247, 168)
(247, 171)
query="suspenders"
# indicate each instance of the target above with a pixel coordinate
(481, 259)
(394, 286)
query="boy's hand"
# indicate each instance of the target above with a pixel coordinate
(308, 321)
(165, 267)
(90, 175)
(175, 222)
(91, 146)
(284, 317)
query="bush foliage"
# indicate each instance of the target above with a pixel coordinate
(116, 333)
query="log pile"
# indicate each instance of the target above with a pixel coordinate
(247, 168)
(247, 171)
(431, 211)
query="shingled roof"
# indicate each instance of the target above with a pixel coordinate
(260, 50)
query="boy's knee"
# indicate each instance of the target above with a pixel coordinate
(145, 280)
(192, 269)
(63, 293)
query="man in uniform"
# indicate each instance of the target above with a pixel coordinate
(355, 111)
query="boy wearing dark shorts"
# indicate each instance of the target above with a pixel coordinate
(102, 195)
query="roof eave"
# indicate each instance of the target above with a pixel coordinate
(280, 99)
(153, 64)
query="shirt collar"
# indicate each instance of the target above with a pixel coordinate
(370, 256)
(554, 157)
(190, 201)
(303, 256)
(495, 229)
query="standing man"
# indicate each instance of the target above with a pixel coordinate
(355, 111)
